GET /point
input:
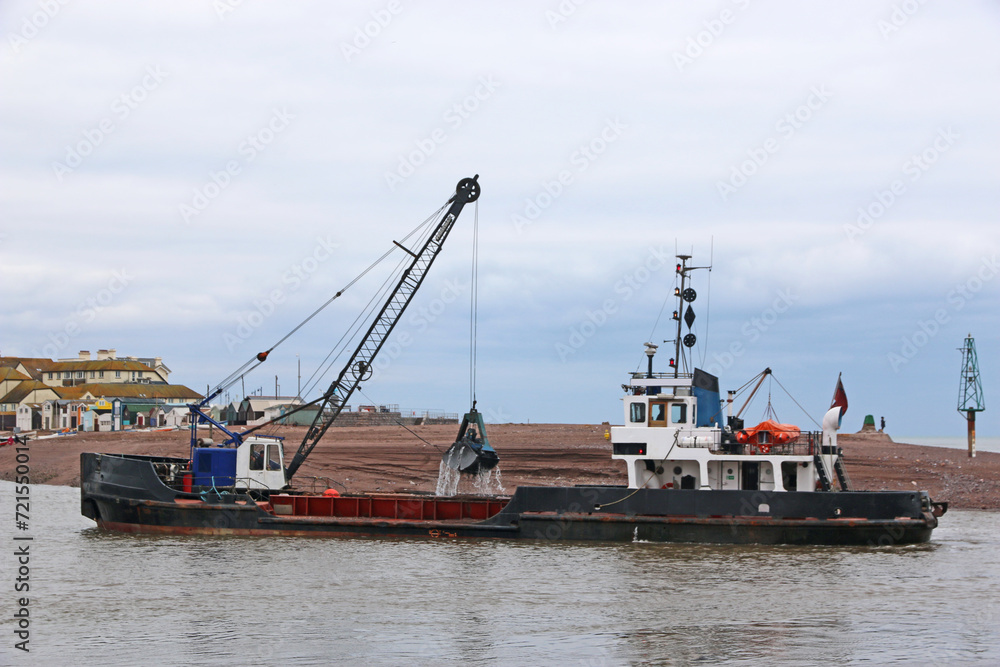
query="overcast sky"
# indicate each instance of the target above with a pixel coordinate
(190, 179)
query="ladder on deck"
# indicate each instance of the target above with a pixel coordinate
(838, 468)
(824, 478)
(845, 481)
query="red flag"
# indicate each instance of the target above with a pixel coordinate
(839, 397)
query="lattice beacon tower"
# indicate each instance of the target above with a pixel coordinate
(970, 390)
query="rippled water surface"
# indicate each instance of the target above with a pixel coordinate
(103, 598)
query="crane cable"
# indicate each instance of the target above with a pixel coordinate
(708, 302)
(261, 357)
(341, 346)
(794, 401)
(352, 330)
(400, 423)
(474, 308)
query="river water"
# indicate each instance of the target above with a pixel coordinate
(106, 599)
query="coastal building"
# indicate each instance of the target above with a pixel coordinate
(282, 414)
(29, 417)
(26, 391)
(78, 393)
(32, 367)
(104, 368)
(253, 409)
(174, 415)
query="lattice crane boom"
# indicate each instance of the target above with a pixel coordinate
(358, 367)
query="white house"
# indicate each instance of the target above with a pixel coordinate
(175, 415)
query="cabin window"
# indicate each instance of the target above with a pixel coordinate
(118, 374)
(66, 375)
(638, 413)
(50, 376)
(678, 413)
(790, 475)
(91, 375)
(256, 457)
(272, 458)
(657, 414)
(79, 374)
(100, 374)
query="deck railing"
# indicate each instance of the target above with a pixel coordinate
(808, 443)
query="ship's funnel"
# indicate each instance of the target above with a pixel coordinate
(471, 452)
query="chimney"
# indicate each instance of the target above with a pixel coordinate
(111, 353)
(84, 355)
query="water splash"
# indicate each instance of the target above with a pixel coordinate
(488, 483)
(448, 479)
(484, 483)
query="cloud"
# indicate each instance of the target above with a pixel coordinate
(257, 120)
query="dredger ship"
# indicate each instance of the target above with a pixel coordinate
(691, 477)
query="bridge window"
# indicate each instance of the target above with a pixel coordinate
(658, 413)
(678, 413)
(637, 413)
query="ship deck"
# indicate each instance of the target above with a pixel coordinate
(388, 506)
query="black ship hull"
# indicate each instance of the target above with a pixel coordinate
(126, 493)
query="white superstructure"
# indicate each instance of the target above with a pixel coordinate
(673, 438)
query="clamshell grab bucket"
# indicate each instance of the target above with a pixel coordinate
(471, 452)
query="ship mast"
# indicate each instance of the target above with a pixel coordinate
(684, 313)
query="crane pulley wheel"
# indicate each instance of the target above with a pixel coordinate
(362, 371)
(471, 185)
